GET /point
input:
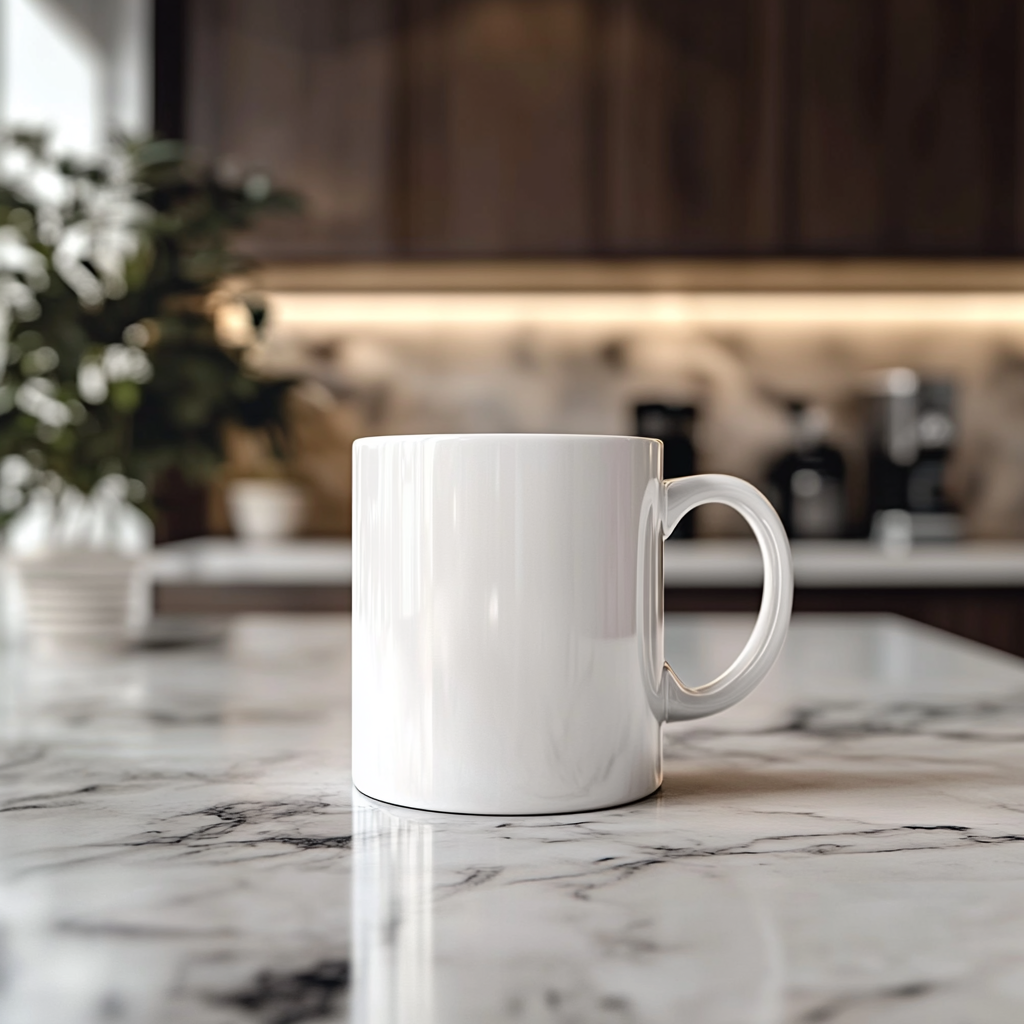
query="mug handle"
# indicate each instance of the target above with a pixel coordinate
(757, 657)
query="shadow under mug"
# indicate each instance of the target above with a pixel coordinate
(508, 619)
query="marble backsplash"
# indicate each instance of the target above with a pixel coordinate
(583, 368)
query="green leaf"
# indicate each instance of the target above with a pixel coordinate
(125, 396)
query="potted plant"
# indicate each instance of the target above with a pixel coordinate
(111, 372)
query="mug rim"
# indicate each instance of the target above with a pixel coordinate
(518, 436)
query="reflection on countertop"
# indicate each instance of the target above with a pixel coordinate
(181, 842)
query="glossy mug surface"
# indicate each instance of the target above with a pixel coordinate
(507, 616)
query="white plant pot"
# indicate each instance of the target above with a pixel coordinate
(79, 601)
(264, 510)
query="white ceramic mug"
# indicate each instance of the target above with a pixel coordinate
(508, 618)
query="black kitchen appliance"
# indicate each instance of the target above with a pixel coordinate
(808, 483)
(912, 429)
(673, 425)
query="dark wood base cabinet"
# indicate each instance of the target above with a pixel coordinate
(993, 616)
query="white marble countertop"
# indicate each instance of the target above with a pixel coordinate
(179, 842)
(701, 563)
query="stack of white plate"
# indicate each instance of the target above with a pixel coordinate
(80, 600)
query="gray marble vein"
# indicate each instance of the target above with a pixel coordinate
(179, 841)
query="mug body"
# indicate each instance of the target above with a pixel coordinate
(506, 616)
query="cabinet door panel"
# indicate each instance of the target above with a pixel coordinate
(690, 168)
(951, 125)
(905, 126)
(499, 127)
(837, 105)
(305, 91)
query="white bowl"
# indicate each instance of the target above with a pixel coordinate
(263, 510)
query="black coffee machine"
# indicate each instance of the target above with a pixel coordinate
(807, 484)
(673, 425)
(912, 430)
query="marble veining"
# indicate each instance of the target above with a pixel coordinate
(179, 841)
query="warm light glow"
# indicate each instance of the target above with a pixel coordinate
(611, 310)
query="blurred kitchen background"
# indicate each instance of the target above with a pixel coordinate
(784, 236)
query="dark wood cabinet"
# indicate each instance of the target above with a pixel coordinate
(499, 127)
(905, 127)
(304, 89)
(689, 115)
(504, 128)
